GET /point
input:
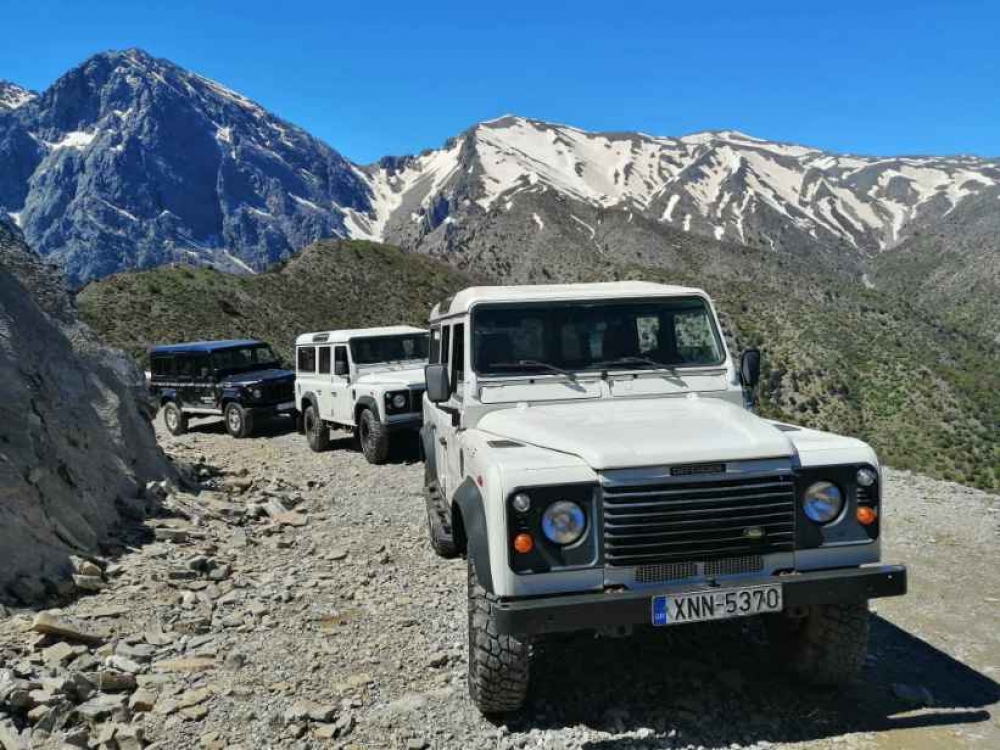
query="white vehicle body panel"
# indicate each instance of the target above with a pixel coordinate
(338, 397)
(544, 430)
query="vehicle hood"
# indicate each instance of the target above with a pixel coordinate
(258, 376)
(401, 378)
(617, 434)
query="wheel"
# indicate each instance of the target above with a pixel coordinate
(374, 437)
(499, 665)
(826, 647)
(175, 420)
(438, 525)
(317, 431)
(239, 421)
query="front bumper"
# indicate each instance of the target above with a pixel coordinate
(286, 408)
(413, 421)
(617, 608)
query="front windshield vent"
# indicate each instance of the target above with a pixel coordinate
(696, 469)
(504, 444)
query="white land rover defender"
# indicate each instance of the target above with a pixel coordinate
(367, 380)
(589, 449)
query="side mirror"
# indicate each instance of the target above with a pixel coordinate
(438, 387)
(750, 368)
(340, 368)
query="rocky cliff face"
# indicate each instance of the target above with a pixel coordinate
(76, 445)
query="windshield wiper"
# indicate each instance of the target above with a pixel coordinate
(630, 361)
(535, 363)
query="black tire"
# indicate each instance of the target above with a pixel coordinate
(499, 665)
(239, 421)
(317, 431)
(175, 420)
(827, 647)
(374, 437)
(439, 523)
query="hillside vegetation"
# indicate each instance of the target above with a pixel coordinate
(331, 284)
(837, 355)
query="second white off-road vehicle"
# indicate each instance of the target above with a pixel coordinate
(367, 380)
(591, 450)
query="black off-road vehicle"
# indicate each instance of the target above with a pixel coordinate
(240, 380)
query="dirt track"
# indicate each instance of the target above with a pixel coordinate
(354, 611)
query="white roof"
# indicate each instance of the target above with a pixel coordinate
(465, 299)
(344, 335)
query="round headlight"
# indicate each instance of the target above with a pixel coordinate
(399, 400)
(257, 393)
(866, 477)
(823, 502)
(563, 522)
(521, 502)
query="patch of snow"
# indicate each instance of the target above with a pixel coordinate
(671, 202)
(581, 222)
(305, 202)
(687, 222)
(868, 283)
(237, 262)
(538, 221)
(77, 139)
(16, 218)
(719, 231)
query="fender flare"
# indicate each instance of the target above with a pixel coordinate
(470, 502)
(168, 394)
(308, 398)
(366, 402)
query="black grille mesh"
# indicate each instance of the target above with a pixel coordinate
(698, 520)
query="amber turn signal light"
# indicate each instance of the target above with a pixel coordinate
(866, 515)
(523, 543)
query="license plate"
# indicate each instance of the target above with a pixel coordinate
(287, 406)
(718, 604)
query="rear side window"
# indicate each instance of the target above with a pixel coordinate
(324, 360)
(307, 359)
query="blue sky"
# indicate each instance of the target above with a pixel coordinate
(375, 78)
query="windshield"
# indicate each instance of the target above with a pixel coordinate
(578, 336)
(375, 349)
(253, 357)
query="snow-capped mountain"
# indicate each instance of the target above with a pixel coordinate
(130, 161)
(725, 185)
(13, 96)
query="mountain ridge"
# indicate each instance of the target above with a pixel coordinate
(94, 178)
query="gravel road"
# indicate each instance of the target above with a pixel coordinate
(298, 604)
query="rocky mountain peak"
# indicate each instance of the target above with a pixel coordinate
(13, 96)
(132, 161)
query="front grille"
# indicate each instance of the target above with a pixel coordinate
(417, 399)
(280, 392)
(727, 566)
(665, 572)
(731, 566)
(698, 521)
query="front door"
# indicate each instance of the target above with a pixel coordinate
(340, 387)
(448, 448)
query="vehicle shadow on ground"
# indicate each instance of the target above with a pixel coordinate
(404, 448)
(263, 428)
(719, 684)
